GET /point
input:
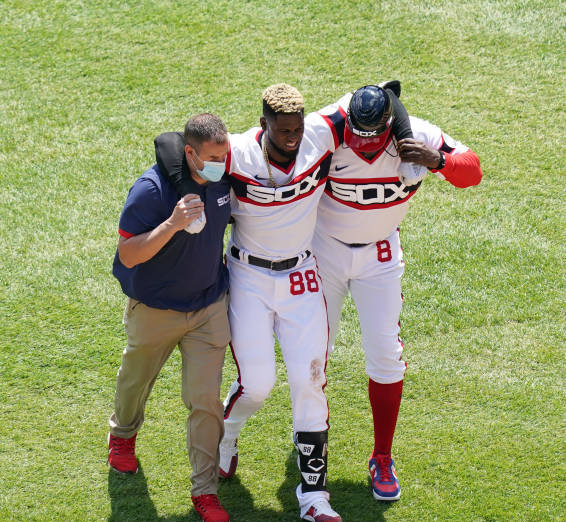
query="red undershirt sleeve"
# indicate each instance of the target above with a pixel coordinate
(462, 170)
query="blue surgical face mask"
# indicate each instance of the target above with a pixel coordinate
(212, 170)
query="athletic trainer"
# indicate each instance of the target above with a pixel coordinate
(169, 264)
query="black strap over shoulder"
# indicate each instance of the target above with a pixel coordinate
(401, 123)
(170, 157)
(392, 85)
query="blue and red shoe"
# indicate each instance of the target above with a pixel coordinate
(384, 482)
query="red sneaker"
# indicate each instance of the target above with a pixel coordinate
(210, 509)
(122, 455)
(384, 482)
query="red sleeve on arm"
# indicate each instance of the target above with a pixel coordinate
(462, 170)
(125, 234)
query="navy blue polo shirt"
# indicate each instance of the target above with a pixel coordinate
(188, 273)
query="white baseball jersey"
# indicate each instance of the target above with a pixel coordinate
(363, 204)
(278, 222)
(357, 184)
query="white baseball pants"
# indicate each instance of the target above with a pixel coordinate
(372, 274)
(289, 303)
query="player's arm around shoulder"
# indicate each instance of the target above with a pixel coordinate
(327, 124)
(440, 153)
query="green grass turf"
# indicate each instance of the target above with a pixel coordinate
(84, 88)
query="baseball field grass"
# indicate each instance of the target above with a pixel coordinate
(84, 89)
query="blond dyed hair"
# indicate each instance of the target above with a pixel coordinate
(283, 98)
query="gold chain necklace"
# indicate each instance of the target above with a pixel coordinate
(272, 182)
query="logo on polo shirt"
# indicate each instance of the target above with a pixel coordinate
(223, 200)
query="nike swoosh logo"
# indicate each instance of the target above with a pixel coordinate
(340, 168)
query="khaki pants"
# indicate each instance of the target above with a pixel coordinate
(202, 337)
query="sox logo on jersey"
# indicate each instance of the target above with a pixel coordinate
(370, 193)
(303, 186)
(286, 193)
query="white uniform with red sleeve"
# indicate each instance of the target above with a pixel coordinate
(276, 224)
(357, 242)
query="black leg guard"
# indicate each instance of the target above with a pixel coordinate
(313, 455)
